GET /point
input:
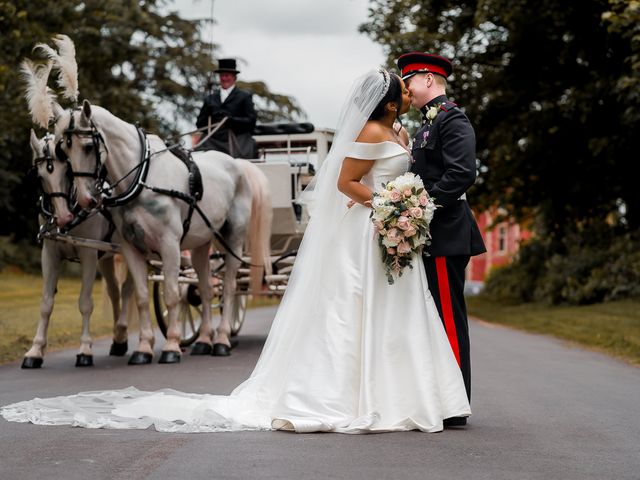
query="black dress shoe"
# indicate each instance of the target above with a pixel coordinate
(455, 422)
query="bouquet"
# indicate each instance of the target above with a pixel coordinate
(402, 211)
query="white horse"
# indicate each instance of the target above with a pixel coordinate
(56, 183)
(152, 205)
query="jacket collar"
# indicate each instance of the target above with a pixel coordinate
(434, 101)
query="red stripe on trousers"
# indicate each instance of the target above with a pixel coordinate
(445, 302)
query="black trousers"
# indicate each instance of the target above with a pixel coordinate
(446, 283)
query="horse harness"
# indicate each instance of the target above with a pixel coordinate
(139, 183)
(46, 208)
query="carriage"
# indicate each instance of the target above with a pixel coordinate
(289, 154)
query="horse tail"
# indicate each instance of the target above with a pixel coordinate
(259, 232)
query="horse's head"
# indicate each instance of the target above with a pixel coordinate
(55, 178)
(80, 141)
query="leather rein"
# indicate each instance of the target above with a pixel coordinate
(142, 169)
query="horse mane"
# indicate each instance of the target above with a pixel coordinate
(39, 97)
(64, 60)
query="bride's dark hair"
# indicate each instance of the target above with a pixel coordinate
(394, 94)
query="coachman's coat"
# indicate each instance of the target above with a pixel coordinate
(239, 109)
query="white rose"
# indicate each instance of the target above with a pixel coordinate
(431, 113)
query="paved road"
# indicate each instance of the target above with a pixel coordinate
(542, 410)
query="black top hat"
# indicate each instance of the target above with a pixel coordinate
(419, 62)
(227, 65)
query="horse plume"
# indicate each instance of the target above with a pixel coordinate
(64, 60)
(39, 97)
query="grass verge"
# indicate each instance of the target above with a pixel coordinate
(612, 328)
(20, 311)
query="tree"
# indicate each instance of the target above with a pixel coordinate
(143, 64)
(551, 87)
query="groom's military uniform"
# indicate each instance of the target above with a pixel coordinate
(444, 156)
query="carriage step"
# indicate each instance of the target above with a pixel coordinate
(276, 278)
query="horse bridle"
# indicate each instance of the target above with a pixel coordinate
(45, 198)
(99, 173)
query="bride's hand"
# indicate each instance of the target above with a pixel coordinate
(350, 203)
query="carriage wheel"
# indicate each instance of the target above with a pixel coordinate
(189, 312)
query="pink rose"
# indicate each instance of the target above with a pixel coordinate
(404, 247)
(407, 192)
(416, 212)
(410, 232)
(424, 200)
(394, 236)
(395, 196)
(405, 213)
(391, 250)
(403, 223)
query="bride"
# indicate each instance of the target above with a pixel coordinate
(346, 352)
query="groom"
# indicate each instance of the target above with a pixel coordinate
(444, 155)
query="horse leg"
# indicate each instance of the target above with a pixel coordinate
(51, 263)
(89, 261)
(170, 254)
(138, 271)
(119, 343)
(222, 345)
(200, 262)
(120, 338)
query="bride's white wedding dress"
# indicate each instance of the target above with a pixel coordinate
(368, 357)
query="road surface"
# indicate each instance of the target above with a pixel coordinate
(542, 410)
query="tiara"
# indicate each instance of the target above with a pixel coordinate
(387, 82)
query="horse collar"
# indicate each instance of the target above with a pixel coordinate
(142, 169)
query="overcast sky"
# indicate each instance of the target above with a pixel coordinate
(310, 50)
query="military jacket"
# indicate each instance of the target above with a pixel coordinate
(444, 156)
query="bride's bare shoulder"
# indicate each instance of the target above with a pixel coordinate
(372, 132)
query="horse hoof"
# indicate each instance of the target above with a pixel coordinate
(221, 350)
(201, 348)
(140, 358)
(169, 357)
(32, 362)
(83, 360)
(118, 349)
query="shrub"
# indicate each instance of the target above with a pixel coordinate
(586, 267)
(22, 254)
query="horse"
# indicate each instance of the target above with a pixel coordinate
(162, 203)
(57, 195)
